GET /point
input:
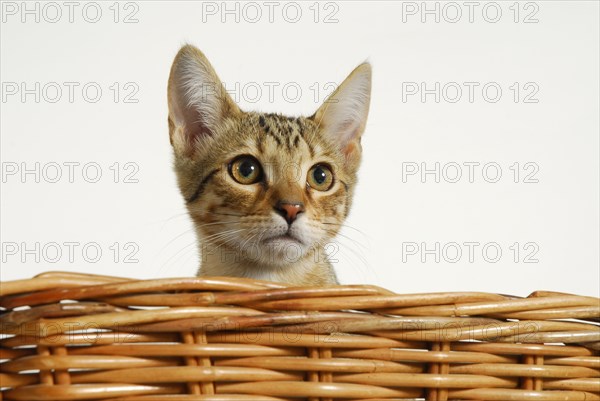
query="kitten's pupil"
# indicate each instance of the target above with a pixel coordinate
(247, 168)
(319, 175)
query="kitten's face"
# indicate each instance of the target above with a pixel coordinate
(274, 188)
(265, 187)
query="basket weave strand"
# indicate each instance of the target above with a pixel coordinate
(68, 336)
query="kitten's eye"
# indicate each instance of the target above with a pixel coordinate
(245, 170)
(320, 177)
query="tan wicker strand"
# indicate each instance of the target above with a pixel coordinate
(204, 397)
(69, 336)
(193, 388)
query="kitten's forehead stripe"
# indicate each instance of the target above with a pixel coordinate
(286, 131)
(275, 137)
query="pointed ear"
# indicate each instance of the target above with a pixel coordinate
(198, 102)
(343, 116)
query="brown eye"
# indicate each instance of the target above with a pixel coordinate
(320, 177)
(245, 170)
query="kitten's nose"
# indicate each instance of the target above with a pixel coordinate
(289, 210)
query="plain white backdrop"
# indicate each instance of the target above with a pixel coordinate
(498, 101)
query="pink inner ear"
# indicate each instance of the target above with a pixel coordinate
(348, 132)
(351, 147)
(193, 129)
(200, 130)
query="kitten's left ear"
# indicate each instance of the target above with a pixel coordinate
(343, 116)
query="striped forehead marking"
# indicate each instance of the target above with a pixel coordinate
(286, 131)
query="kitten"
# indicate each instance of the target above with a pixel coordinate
(266, 192)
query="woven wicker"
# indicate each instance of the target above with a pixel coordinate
(70, 336)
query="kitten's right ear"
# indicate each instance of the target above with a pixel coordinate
(198, 102)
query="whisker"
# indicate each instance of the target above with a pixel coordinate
(345, 226)
(222, 233)
(185, 248)
(176, 216)
(228, 214)
(176, 238)
(249, 238)
(363, 265)
(352, 239)
(355, 250)
(218, 242)
(213, 224)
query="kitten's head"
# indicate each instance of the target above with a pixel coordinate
(266, 185)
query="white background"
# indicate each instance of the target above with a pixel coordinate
(554, 221)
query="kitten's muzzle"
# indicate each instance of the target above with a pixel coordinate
(289, 210)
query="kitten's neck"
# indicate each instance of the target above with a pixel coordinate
(313, 269)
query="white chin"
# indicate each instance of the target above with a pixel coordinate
(277, 251)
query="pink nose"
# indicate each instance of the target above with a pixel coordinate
(289, 210)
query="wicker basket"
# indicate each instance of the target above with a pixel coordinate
(83, 337)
